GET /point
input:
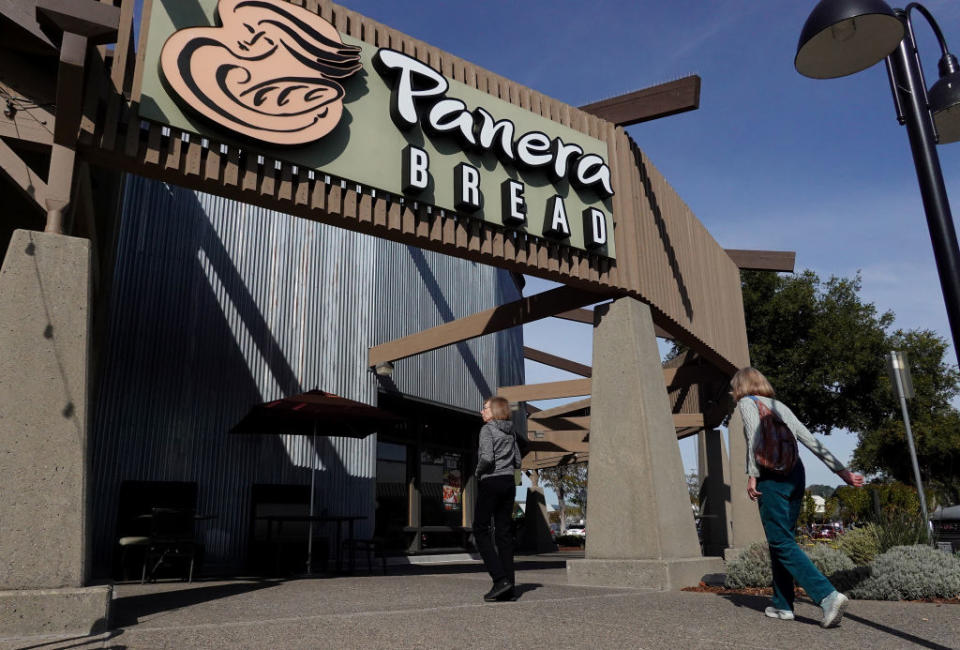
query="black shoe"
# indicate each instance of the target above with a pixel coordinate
(500, 588)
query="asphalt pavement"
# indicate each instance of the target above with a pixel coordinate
(441, 606)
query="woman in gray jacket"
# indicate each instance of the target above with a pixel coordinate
(780, 496)
(497, 459)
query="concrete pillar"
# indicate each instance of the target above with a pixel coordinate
(745, 526)
(714, 471)
(536, 530)
(640, 527)
(44, 339)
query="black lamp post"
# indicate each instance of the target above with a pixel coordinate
(845, 36)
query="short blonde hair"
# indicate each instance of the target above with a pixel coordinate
(750, 381)
(499, 407)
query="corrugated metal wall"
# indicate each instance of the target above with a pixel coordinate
(218, 305)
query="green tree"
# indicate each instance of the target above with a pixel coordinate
(569, 482)
(819, 345)
(934, 421)
(824, 491)
(823, 347)
(693, 487)
(808, 511)
(856, 504)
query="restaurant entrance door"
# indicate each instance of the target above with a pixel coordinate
(425, 482)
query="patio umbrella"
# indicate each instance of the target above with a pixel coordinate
(314, 413)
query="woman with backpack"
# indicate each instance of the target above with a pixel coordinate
(498, 458)
(776, 480)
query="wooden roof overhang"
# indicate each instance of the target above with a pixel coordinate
(665, 257)
(561, 435)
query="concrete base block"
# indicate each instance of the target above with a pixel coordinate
(83, 610)
(662, 575)
(44, 359)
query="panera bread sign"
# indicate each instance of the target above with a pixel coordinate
(278, 79)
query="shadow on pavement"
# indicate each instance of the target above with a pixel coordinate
(443, 569)
(128, 610)
(759, 603)
(923, 643)
(523, 588)
(81, 641)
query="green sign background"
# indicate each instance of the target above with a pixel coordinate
(366, 146)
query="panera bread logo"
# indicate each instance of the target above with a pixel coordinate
(271, 71)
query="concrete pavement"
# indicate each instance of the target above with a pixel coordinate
(441, 606)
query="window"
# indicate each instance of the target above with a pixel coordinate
(441, 488)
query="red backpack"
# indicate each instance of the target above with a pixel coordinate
(774, 446)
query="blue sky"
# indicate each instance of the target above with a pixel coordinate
(771, 160)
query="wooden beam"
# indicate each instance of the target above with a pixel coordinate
(687, 375)
(579, 435)
(748, 260)
(22, 176)
(516, 313)
(559, 445)
(549, 390)
(23, 14)
(28, 127)
(586, 316)
(557, 362)
(649, 103)
(542, 460)
(575, 387)
(575, 423)
(94, 21)
(559, 425)
(563, 409)
(682, 420)
(561, 448)
(578, 315)
(686, 432)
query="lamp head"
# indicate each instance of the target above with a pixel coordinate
(384, 369)
(845, 36)
(944, 100)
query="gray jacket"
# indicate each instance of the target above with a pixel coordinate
(499, 453)
(751, 426)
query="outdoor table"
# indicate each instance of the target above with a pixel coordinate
(197, 516)
(317, 519)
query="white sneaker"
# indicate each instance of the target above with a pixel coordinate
(833, 607)
(782, 614)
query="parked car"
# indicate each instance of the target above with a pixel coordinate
(577, 530)
(823, 531)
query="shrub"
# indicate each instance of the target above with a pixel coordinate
(911, 573)
(829, 560)
(751, 568)
(900, 528)
(860, 544)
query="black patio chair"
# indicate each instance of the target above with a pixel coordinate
(171, 540)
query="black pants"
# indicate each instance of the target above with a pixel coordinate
(495, 498)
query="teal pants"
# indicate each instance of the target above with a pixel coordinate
(780, 502)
